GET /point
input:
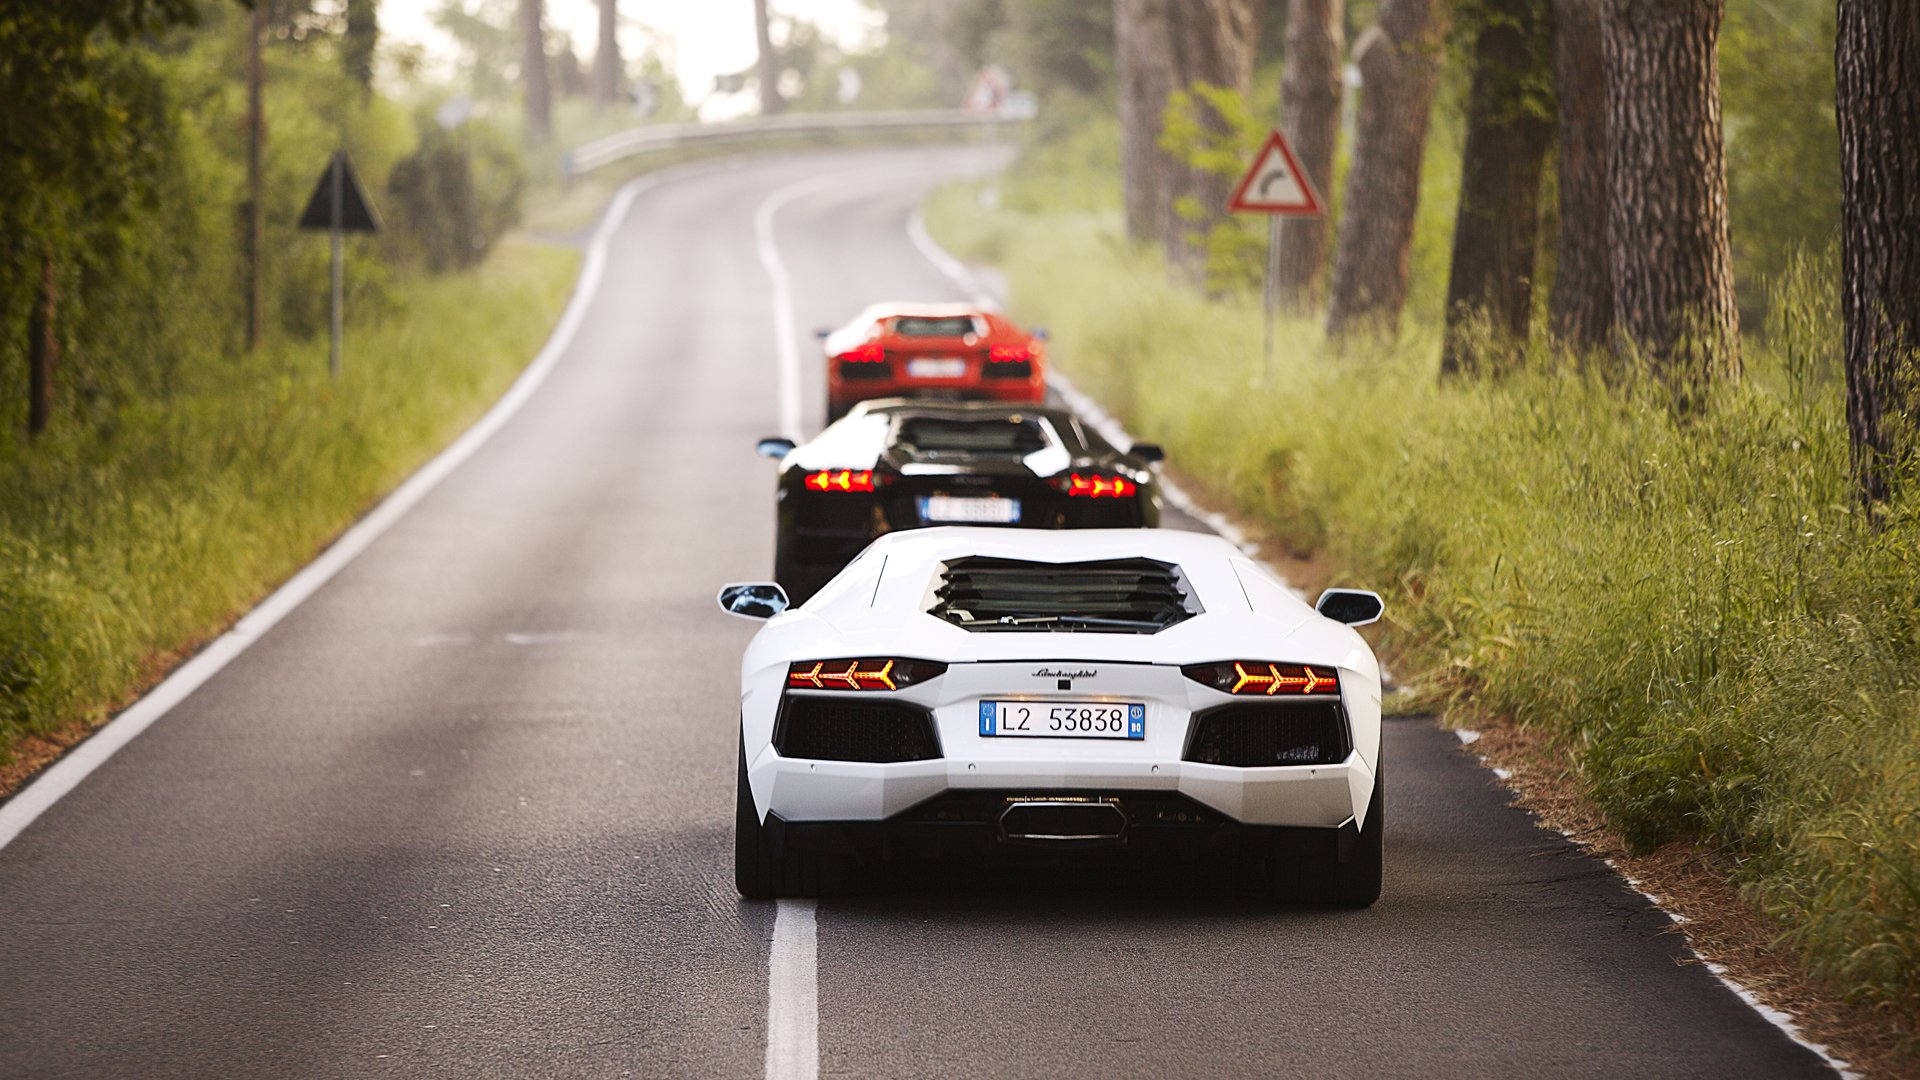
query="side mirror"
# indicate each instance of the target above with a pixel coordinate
(1148, 452)
(1040, 333)
(822, 333)
(1355, 607)
(774, 446)
(753, 599)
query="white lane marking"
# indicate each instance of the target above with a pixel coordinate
(786, 348)
(66, 774)
(793, 994)
(1111, 430)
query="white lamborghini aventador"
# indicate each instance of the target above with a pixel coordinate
(1104, 694)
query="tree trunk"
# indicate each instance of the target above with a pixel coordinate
(1310, 116)
(1877, 94)
(1496, 230)
(1399, 60)
(533, 74)
(1666, 164)
(769, 70)
(1580, 312)
(43, 348)
(608, 71)
(1164, 46)
(361, 41)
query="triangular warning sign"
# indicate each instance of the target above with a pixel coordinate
(1275, 183)
(355, 213)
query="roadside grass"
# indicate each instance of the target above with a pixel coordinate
(1690, 605)
(126, 542)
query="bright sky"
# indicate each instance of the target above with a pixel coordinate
(704, 37)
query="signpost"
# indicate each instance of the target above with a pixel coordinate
(1276, 186)
(338, 205)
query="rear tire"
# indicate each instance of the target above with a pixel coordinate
(1355, 883)
(764, 870)
(797, 578)
(756, 872)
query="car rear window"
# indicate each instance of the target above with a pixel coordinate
(1017, 436)
(923, 326)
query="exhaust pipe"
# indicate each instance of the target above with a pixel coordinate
(1063, 821)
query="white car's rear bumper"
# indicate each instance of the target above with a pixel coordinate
(1324, 796)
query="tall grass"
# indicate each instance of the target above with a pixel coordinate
(126, 540)
(1690, 604)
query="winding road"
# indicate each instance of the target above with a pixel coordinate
(467, 809)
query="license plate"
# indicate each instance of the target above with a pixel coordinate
(1063, 719)
(988, 510)
(937, 367)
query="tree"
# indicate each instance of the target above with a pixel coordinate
(1580, 312)
(607, 68)
(1876, 56)
(1399, 59)
(360, 41)
(1496, 229)
(1165, 46)
(1310, 115)
(71, 147)
(538, 95)
(769, 62)
(1666, 165)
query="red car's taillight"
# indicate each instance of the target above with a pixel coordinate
(1096, 486)
(865, 673)
(840, 480)
(1264, 678)
(869, 353)
(1009, 354)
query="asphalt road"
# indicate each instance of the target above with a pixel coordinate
(467, 811)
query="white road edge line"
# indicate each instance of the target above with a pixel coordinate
(1111, 430)
(785, 344)
(67, 773)
(793, 993)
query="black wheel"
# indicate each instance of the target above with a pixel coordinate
(765, 870)
(1326, 881)
(756, 871)
(799, 578)
(835, 412)
(1356, 882)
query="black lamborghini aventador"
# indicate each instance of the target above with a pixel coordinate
(899, 464)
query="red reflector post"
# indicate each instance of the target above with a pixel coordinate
(1100, 487)
(840, 480)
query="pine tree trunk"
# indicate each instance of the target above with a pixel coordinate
(1877, 95)
(769, 67)
(43, 348)
(1580, 312)
(608, 71)
(1164, 46)
(1666, 165)
(533, 73)
(1399, 60)
(1496, 230)
(1310, 117)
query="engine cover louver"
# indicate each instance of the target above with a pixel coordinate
(1116, 596)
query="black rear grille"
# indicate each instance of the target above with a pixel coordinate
(1008, 369)
(1270, 733)
(1122, 596)
(851, 729)
(857, 372)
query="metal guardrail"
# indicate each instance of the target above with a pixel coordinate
(625, 144)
